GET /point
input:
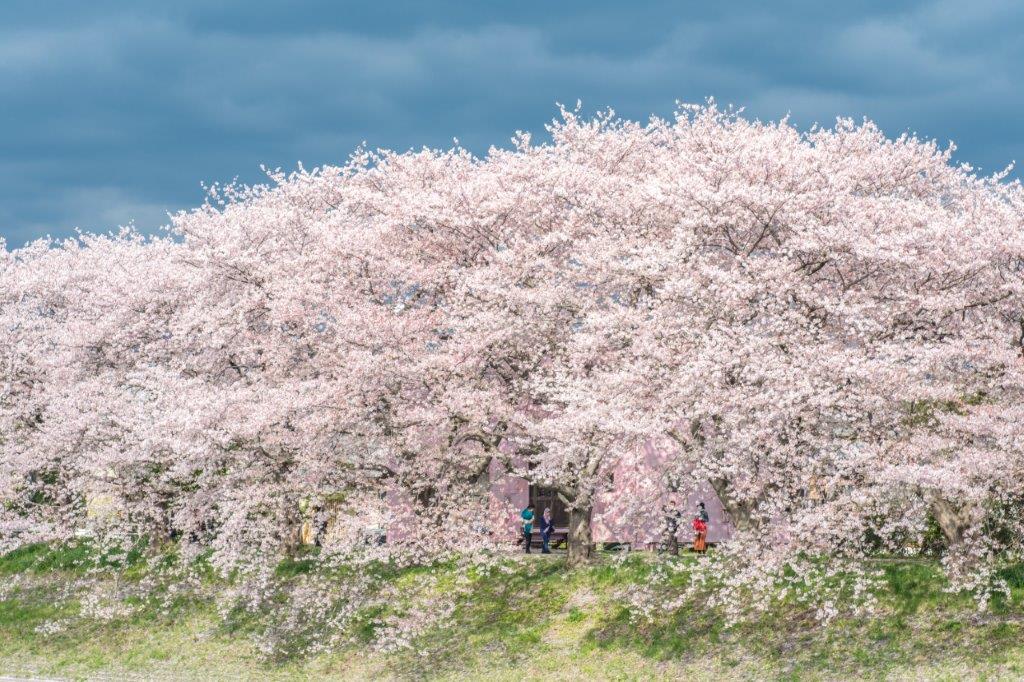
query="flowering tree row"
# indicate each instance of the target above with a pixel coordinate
(826, 326)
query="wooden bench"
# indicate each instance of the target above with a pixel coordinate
(559, 538)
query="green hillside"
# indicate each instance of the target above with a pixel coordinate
(529, 620)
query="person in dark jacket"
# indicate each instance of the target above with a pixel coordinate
(546, 528)
(702, 512)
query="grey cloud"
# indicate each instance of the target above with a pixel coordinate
(112, 111)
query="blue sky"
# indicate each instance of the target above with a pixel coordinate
(113, 111)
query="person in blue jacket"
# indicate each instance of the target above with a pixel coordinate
(527, 516)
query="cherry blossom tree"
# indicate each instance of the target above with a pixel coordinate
(825, 326)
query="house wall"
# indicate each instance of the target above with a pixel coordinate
(509, 496)
(615, 512)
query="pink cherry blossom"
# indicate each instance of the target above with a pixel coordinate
(824, 327)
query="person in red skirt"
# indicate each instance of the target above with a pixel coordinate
(700, 541)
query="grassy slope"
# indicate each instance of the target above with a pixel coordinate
(541, 622)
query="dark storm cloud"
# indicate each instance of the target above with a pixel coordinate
(113, 111)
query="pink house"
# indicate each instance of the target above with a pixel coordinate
(510, 494)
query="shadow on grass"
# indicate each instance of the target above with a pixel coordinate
(73, 557)
(918, 621)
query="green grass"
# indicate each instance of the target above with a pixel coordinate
(536, 621)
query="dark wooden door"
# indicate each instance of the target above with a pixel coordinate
(545, 497)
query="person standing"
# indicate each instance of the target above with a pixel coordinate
(700, 528)
(527, 517)
(546, 528)
(700, 543)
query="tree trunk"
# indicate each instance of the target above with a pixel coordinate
(954, 521)
(671, 537)
(740, 513)
(581, 545)
(673, 545)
